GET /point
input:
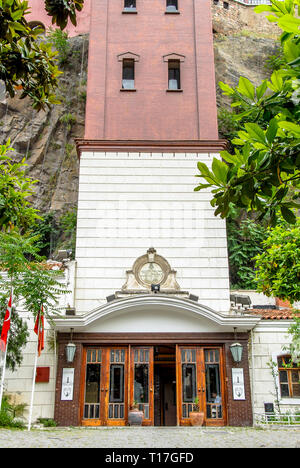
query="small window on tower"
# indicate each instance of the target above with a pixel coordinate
(129, 6)
(172, 6)
(128, 74)
(174, 75)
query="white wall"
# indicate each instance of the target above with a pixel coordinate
(268, 340)
(129, 202)
(19, 383)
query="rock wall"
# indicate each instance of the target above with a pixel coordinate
(46, 138)
(231, 17)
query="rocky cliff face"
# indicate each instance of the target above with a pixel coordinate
(47, 138)
(241, 55)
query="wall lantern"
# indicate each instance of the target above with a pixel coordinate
(236, 350)
(70, 349)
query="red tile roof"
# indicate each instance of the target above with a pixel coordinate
(273, 314)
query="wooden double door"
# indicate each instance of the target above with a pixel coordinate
(113, 378)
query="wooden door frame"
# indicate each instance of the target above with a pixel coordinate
(150, 421)
(104, 420)
(201, 384)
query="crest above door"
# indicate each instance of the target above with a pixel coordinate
(151, 273)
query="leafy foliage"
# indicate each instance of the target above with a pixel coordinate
(11, 413)
(244, 243)
(278, 267)
(15, 188)
(263, 174)
(294, 347)
(26, 62)
(41, 287)
(47, 230)
(59, 39)
(62, 10)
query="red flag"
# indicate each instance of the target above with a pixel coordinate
(6, 326)
(39, 330)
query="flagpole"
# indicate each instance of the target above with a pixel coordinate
(33, 379)
(3, 373)
(5, 354)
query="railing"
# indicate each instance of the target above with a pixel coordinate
(253, 2)
(277, 419)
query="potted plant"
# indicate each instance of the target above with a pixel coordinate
(196, 416)
(135, 415)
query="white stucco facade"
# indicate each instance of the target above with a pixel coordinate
(129, 202)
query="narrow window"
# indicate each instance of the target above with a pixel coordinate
(174, 74)
(128, 74)
(129, 5)
(172, 5)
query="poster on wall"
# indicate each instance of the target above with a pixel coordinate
(238, 387)
(67, 384)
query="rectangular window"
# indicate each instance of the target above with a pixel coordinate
(129, 4)
(189, 383)
(128, 74)
(116, 394)
(289, 377)
(174, 74)
(172, 5)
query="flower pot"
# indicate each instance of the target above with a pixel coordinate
(135, 417)
(196, 418)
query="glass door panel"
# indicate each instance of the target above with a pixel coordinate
(200, 384)
(214, 409)
(116, 403)
(92, 387)
(141, 381)
(188, 371)
(104, 387)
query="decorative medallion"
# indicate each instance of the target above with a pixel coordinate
(150, 269)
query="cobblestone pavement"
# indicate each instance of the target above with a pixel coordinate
(151, 437)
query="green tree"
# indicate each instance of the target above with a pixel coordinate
(28, 63)
(263, 173)
(245, 241)
(15, 188)
(278, 267)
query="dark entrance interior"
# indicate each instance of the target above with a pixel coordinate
(165, 413)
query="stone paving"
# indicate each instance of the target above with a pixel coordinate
(151, 437)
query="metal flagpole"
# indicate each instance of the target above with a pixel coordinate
(5, 354)
(34, 375)
(3, 372)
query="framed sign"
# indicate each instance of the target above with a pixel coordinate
(67, 384)
(238, 387)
